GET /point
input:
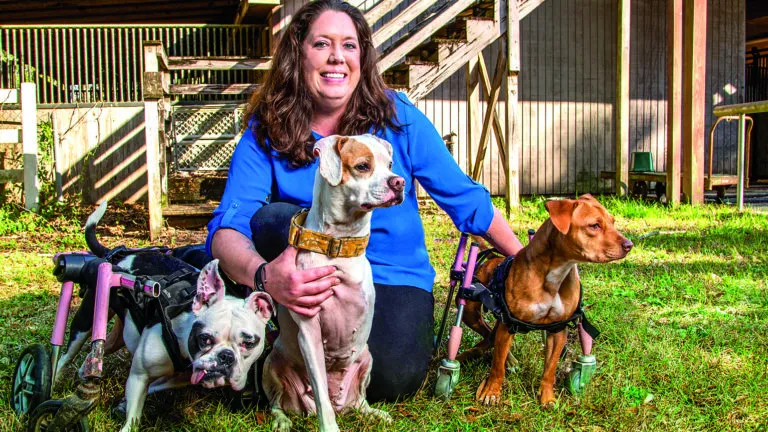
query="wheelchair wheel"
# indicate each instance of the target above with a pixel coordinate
(43, 416)
(31, 382)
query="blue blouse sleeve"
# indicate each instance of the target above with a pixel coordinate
(467, 202)
(249, 184)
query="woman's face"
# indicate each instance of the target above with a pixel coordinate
(332, 60)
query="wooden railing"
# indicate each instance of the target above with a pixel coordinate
(740, 111)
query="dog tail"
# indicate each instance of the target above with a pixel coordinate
(90, 231)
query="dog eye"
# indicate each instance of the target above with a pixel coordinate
(250, 344)
(205, 340)
(594, 226)
(363, 167)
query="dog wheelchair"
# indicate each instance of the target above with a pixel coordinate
(462, 274)
(32, 380)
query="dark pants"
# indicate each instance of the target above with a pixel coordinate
(401, 335)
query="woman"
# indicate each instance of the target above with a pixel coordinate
(324, 81)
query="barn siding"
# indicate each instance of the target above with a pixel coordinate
(567, 92)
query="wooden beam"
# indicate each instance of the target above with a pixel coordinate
(379, 10)
(152, 149)
(218, 63)
(233, 89)
(490, 110)
(473, 111)
(242, 10)
(400, 21)
(694, 94)
(674, 98)
(29, 145)
(513, 112)
(622, 99)
(498, 130)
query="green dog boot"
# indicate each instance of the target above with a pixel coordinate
(583, 370)
(447, 378)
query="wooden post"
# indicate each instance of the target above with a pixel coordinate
(694, 93)
(513, 113)
(473, 110)
(153, 97)
(29, 145)
(622, 99)
(674, 98)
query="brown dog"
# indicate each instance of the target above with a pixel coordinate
(543, 287)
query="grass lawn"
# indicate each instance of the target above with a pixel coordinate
(684, 322)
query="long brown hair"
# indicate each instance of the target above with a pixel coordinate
(282, 108)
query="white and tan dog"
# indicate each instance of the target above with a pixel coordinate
(322, 364)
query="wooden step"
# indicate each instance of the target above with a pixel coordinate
(452, 56)
(217, 89)
(219, 63)
(423, 33)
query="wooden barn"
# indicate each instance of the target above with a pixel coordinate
(548, 93)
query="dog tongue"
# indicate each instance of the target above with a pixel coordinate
(197, 376)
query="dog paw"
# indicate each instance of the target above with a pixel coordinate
(381, 415)
(281, 423)
(547, 399)
(489, 393)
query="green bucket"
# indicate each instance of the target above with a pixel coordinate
(642, 161)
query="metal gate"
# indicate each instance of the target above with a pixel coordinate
(204, 136)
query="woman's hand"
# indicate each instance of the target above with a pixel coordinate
(301, 291)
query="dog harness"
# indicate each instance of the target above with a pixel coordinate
(493, 298)
(177, 291)
(303, 238)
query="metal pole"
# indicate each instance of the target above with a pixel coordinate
(740, 185)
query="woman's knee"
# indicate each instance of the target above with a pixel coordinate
(269, 226)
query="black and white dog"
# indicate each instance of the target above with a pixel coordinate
(220, 336)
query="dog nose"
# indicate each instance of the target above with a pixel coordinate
(627, 245)
(226, 357)
(396, 183)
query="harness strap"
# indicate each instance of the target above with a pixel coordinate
(171, 304)
(516, 325)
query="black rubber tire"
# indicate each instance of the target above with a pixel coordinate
(34, 364)
(38, 421)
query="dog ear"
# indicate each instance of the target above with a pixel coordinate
(210, 287)
(328, 150)
(560, 212)
(587, 197)
(261, 303)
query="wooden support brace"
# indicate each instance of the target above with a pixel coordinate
(489, 111)
(498, 130)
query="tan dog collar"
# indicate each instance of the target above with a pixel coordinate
(302, 238)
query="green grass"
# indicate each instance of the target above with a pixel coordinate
(684, 322)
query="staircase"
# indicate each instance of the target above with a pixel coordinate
(447, 34)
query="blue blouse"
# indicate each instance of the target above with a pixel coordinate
(397, 249)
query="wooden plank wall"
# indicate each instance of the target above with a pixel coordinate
(567, 92)
(100, 152)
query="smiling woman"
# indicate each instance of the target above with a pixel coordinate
(324, 81)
